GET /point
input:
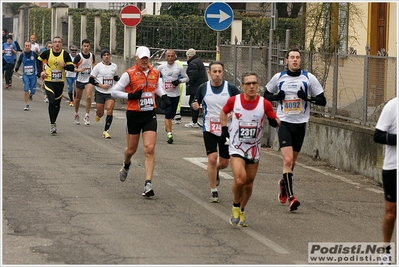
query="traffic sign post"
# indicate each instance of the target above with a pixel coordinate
(130, 16)
(218, 16)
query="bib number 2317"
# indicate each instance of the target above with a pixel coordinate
(247, 131)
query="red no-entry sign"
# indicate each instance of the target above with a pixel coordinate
(130, 16)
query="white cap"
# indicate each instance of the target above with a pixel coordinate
(143, 51)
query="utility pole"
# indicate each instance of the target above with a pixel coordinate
(273, 24)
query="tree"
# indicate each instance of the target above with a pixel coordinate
(15, 6)
(288, 10)
(181, 9)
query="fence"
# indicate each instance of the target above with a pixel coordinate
(356, 87)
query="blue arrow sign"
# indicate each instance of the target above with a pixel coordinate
(218, 16)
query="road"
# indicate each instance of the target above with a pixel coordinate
(63, 202)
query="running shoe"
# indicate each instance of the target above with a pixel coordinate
(87, 120)
(123, 174)
(45, 100)
(282, 196)
(385, 259)
(148, 192)
(106, 135)
(214, 197)
(26, 108)
(71, 104)
(217, 179)
(77, 119)
(176, 121)
(170, 139)
(294, 203)
(235, 216)
(199, 124)
(97, 118)
(242, 222)
(191, 125)
(53, 128)
(30, 95)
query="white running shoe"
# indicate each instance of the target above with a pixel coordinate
(77, 119)
(191, 125)
(87, 120)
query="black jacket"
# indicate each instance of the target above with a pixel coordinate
(196, 73)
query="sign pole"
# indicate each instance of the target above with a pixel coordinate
(130, 46)
(130, 16)
(218, 46)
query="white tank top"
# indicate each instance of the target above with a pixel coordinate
(213, 104)
(86, 64)
(246, 130)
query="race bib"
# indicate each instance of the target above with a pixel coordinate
(247, 131)
(108, 80)
(292, 105)
(28, 70)
(169, 87)
(215, 126)
(86, 71)
(8, 52)
(146, 101)
(56, 75)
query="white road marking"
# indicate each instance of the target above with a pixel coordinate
(226, 218)
(202, 162)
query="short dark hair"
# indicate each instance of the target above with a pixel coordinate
(292, 50)
(85, 41)
(216, 63)
(249, 73)
(58, 37)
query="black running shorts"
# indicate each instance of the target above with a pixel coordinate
(291, 134)
(81, 85)
(100, 98)
(212, 141)
(389, 184)
(143, 121)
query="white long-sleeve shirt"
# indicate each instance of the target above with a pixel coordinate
(169, 73)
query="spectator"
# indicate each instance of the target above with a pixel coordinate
(197, 75)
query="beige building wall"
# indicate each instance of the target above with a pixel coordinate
(393, 30)
(359, 29)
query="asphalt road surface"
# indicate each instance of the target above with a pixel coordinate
(63, 202)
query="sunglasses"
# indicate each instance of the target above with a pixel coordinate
(74, 51)
(251, 83)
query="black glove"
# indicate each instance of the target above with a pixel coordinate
(302, 94)
(116, 78)
(135, 95)
(272, 122)
(225, 133)
(281, 95)
(176, 82)
(165, 102)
